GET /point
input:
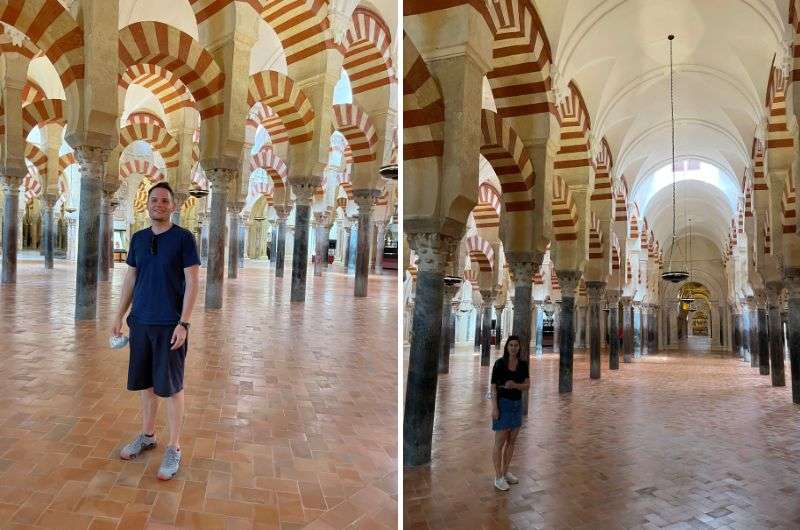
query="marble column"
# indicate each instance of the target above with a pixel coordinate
(365, 198)
(763, 336)
(220, 180)
(280, 247)
(449, 290)
(317, 225)
(594, 291)
(273, 244)
(433, 251)
(539, 328)
(380, 243)
(92, 163)
(627, 330)
(775, 333)
(613, 331)
(48, 202)
(11, 185)
(486, 339)
(746, 333)
(347, 232)
(792, 279)
(522, 266)
(568, 280)
(478, 318)
(557, 328)
(304, 191)
(105, 236)
(234, 218)
(637, 330)
(752, 310)
(498, 341)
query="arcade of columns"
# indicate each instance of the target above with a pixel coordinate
(150, 102)
(513, 208)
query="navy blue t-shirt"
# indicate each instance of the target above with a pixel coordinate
(160, 281)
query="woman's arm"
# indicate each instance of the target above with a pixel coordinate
(495, 406)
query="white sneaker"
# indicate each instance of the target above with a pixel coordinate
(501, 484)
(510, 478)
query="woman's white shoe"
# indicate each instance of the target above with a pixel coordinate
(510, 478)
(501, 484)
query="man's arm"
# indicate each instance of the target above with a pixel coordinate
(189, 297)
(124, 300)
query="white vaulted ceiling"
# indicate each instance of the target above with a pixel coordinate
(617, 53)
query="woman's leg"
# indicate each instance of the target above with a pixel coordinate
(509, 449)
(500, 438)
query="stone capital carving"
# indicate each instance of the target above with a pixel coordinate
(450, 290)
(523, 265)
(92, 160)
(220, 179)
(613, 298)
(433, 250)
(626, 300)
(283, 212)
(568, 281)
(303, 188)
(365, 199)
(774, 290)
(594, 291)
(791, 277)
(488, 296)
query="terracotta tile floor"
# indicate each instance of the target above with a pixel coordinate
(678, 441)
(288, 424)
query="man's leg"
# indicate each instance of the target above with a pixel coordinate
(175, 418)
(149, 411)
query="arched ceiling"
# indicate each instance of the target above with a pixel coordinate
(176, 13)
(617, 53)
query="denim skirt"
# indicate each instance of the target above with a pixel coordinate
(510, 415)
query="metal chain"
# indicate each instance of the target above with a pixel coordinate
(672, 121)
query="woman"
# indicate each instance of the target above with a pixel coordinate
(510, 376)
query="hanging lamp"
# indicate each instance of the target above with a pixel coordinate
(672, 275)
(688, 298)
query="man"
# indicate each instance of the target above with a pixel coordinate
(162, 281)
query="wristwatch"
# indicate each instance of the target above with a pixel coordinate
(185, 325)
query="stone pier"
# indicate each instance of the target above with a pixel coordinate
(627, 330)
(594, 291)
(568, 280)
(792, 279)
(234, 220)
(304, 191)
(221, 180)
(49, 230)
(450, 289)
(486, 339)
(775, 333)
(280, 240)
(365, 199)
(613, 329)
(11, 184)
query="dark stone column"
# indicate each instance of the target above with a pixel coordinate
(486, 339)
(522, 266)
(775, 333)
(792, 278)
(317, 226)
(432, 250)
(568, 280)
(763, 338)
(451, 287)
(478, 318)
(627, 330)
(594, 291)
(637, 330)
(498, 342)
(365, 198)
(220, 180)
(613, 329)
(280, 247)
(106, 234)
(539, 328)
(233, 239)
(273, 244)
(48, 228)
(348, 230)
(380, 244)
(11, 185)
(752, 315)
(92, 163)
(737, 335)
(302, 213)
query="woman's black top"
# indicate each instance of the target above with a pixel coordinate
(501, 374)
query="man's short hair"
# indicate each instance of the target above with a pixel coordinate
(164, 185)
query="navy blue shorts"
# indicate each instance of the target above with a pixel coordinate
(510, 415)
(152, 362)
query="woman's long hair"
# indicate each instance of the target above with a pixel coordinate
(505, 348)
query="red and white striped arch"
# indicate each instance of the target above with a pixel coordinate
(595, 238)
(263, 188)
(140, 167)
(53, 30)
(37, 158)
(166, 87)
(603, 163)
(367, 58)
(574, 151)
(759, 176)
(150, 131)
(143, 116)
(66, 160)
(32, 93)
(620, 203)
(301, 25)
(615, 255)
(268, 160)
(633, 221)
(159, 44)
(487, 212)
(275, 90)
(481, 252)
(357, 128)
(503, 149)
(32, 187)
(423, 108)
(565, 213)
(269, 119)
(41, 113)
(778, 134)
(789, 211)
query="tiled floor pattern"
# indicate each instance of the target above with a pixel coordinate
(678, 441)
(291, 410)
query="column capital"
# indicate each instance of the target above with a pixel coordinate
(303, 188)
(283, 211)
(626, 300)
(12, 178)
(568, 281)
(791, 276)
(433, 250)
(774, 294)
(220, 178)
(92, 160)
(450, 289)
(488, 296)
(595, 290)
(365, 199)
(523, 265)
(613, 296)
